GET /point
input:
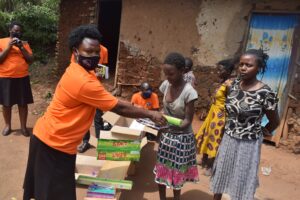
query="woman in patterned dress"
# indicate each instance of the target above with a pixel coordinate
(176, 157)
(210, 133)
(248, 100)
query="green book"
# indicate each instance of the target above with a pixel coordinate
(118, 145)
(119, 184)
(119, 155)
(118, 150)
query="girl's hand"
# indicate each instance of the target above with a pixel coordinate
(266, 133)
(176, 128)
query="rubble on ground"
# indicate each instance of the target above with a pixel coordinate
(292, 142)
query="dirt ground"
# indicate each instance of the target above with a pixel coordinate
(283, 183)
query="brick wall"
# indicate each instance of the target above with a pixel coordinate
(72, 14)
(135, 68)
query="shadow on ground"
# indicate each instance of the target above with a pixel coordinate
(144, 187)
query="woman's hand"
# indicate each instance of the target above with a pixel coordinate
(19, 44)
(266, 133)
(158, 118)
(11, 42)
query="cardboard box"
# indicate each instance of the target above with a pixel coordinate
(127, 127)
(88, 164)
(124, 141)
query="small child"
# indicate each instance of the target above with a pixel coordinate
(189, 76)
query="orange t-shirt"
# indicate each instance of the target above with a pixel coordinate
(149, 104)
(103, 55)
(72, 109)
(14, 65)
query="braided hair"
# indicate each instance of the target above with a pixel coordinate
(261, 58)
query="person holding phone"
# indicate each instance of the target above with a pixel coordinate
(15, 57)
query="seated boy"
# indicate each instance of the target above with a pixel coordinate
(146, 99)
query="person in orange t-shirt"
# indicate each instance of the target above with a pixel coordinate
(103, 55)
(146, 99)
(98, 121)
(50, 172)
(15, 55)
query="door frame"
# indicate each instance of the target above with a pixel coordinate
(98, 2)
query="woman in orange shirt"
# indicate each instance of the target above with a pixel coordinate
(15, 55)
(56, 135)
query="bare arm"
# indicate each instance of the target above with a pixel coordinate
(228, 84)
(189, 114)
(194, 84)
(4, 53)
(128, 110)
(28, 57)
(273, 118)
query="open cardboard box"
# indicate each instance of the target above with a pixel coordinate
(117, 141)
(125, 128)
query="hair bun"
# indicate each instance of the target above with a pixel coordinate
(261, 58)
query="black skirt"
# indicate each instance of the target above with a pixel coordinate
(50, 174)
(15, 91)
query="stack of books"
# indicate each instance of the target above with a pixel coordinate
(100, 192)
(118, 150)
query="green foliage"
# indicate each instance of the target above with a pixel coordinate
(4, 21)
(39, 19)
(40, 28)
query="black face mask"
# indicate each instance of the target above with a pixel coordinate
(89, 63)
(146, 94)
(16, 35)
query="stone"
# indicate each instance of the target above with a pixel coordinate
(296, 149)
(296, 139)
(284, 142)
(296, 128)
(298, 110)
(291, 121)
(291, 135)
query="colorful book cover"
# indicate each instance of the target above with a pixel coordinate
(118, 150)
(97, 198)
(95, 188)
(119, 155)
(99, 195)
(119, 184)
(118, 145)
